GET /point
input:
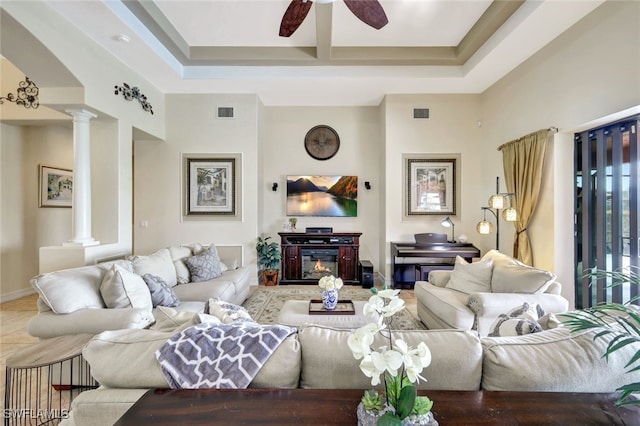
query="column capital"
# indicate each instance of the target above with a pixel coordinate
(81, 114)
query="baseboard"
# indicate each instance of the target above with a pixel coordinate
(16, 295)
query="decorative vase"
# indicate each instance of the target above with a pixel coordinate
(329, 299)
(370, 418)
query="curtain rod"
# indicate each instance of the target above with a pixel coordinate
(551, 129)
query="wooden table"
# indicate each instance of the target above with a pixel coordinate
(338, 407)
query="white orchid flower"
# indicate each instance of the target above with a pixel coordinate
(361, 340)
(373, 307)
(390, 361)
(370, 370)
(413, 368)
(393, 307)
(424, 354)
(389, 293)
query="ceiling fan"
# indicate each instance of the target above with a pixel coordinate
(368, 11)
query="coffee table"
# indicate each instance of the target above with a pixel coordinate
(295, 313)
(338, 407)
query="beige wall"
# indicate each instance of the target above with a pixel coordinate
(283, 153)
(192, 128)
(24, 227)
(452, 128)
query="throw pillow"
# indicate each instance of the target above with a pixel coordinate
(513, 276)
(161, 293)
(123, 289)
(227, 312)
(517, 322)
(204, 266)
(158, 263)
(178, 254)
(471, 277)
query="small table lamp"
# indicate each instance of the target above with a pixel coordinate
(448, 223)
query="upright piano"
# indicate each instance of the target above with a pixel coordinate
(413, 261)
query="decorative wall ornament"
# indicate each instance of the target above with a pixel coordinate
(131, 93)
(27, 95)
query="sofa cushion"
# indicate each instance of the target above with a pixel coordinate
(178, 254)
(123, 289)
(471, 277)
(161, 293)
(83, 283)
(456, 358)
(554, 361)
(204, 266)
(227, 312)
(449, 306)
(126, 359)
(513, 276)
(168, 319)
(158, 263)
(519, 321)
(205, 290)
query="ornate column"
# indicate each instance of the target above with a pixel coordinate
(81, 205)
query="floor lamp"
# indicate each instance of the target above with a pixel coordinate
(498, 201)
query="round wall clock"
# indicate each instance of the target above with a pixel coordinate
(322, 142)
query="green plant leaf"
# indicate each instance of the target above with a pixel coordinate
(389, 419)
(406, 401)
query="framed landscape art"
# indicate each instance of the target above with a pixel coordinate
(431, 185)
(55, 187)
(211, 185)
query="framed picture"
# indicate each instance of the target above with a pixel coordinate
(431, 185)
(56, 187)
(211, 187)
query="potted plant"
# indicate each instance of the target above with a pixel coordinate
(618, 322)
(269, 259)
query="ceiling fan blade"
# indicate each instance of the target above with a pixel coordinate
(293, 16)
(368, 11)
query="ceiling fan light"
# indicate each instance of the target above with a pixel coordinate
(484, 227)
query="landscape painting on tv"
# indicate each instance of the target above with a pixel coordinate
(335, 196)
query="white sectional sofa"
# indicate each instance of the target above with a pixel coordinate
(552, 360)
(113, 295)
(473, 296)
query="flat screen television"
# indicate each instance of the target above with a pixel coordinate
(331, 196)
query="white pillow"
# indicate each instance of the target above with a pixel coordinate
(158, 264)
(69, 290)
(123, 289)
(519, 321)
(513, 276)
(471, 277)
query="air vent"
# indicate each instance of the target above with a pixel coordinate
(421, 113)
(225, 112)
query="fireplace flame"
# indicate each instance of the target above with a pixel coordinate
(319, 267)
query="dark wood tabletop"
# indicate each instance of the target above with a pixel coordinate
(338, 407)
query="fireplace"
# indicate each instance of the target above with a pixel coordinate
(317, 263)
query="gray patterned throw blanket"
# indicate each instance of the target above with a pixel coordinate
(219, 355)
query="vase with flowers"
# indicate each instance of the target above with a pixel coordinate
(396, 366)
(330, 286)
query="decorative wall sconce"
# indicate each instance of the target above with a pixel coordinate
(367, 184)
(498, 201)
(274, 187)
(131, 93)
(448, 223)
(27, 94)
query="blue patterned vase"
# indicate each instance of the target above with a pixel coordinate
(329, 299)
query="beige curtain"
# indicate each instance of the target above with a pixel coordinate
(522, 160)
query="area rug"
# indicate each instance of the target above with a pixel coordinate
(265, 303)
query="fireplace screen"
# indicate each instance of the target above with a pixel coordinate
(317, 263)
